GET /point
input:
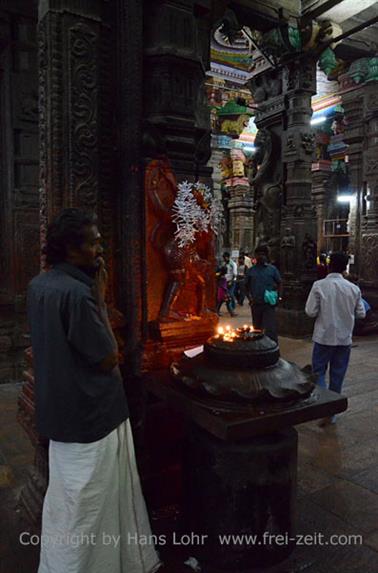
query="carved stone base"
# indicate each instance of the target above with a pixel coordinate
(293, 322)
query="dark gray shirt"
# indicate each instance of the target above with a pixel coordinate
(261, 278)
(75, 400)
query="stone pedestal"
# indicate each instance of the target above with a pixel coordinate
(243, 493)
(240, 471)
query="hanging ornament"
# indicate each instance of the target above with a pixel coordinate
(194, 211)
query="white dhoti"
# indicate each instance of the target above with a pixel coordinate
(94, 515)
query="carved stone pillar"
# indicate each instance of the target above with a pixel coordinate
(320, 177)
(176, 148)
(266, 173)
(214, 164)
(240, 207)
(176, 55)
(352, 100)
(360, 101)
(298, 209)
(369, 231)
(76, 154)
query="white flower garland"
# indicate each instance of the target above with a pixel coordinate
(191, 218)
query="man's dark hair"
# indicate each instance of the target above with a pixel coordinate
(66, 230)
(226, 255)
(338, 262)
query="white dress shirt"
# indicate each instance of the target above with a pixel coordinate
(335, 302)
(232, 270)
(247, 261)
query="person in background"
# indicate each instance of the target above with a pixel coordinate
(222, 292)
(322, 267)
(242, 270)
(335, 303)
(231, 274)
(247, 259)
(263, 288)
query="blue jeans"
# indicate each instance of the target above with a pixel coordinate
(231, 294)
(337, 357)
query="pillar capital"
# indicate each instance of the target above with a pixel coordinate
(85, 8)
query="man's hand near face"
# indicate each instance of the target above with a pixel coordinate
(101, 282)
(99, 292)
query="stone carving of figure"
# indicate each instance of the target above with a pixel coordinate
(261, 240)
(185, 266)
(261, 159)
(309, 252)
(287, 251)
(268, 215)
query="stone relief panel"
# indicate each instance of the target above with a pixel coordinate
(83, 113)
(369, 257)
(298, 145)
(370, 162)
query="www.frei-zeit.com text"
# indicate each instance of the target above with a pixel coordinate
(266, 538)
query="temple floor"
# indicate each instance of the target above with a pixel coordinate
(337, 476)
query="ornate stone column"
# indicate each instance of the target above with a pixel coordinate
(266, 175)
(240, 207)
(76, 154)
(360, 101)
(369, 231)
(176, 54)
(176, 148)
(320, 176)
(298, 211)
(352, 101)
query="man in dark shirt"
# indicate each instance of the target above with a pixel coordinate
(263, 284)
(81, 408)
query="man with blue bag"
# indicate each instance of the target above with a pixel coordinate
(263, 287)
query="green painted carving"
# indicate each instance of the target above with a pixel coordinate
(295, 38)
(280, 41)
(372, 70)
(358, 70)
(232, 108)
(327, 61)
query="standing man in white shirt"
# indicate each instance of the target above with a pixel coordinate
(247, 258)
(231, 274)
(335, 303)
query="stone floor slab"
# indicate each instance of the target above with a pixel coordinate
(354, 504)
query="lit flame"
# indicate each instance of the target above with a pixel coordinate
(229, 334)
